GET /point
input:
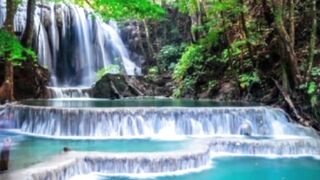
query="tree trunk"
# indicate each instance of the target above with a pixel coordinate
(28, 32)
(268, 16)
(313, 39)
(246, 34)
(292, 22)
(7, 87)
(233, 70)
(290, 58)
(9, 75)
(11, 6)
(149, 44)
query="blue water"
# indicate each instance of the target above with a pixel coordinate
(145, 102)
(26, 151)
(249, 168)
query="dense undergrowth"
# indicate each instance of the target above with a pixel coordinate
(267, 50)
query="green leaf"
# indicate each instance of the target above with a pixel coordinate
(12, 50)
(312, 88)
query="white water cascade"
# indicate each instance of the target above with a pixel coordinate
(151, 122)
(65, 166)
(73, 44)
(215, 131)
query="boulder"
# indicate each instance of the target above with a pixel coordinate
(119, 86)
(30, 80)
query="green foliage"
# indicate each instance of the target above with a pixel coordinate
(314, 101)
(189, 68)
(246, 80)
(124, 9)
(153, 71)
(110, 69)
(168, 56)
(234, 50)
(312, 92)
(192, 57)
(315, 72)
(186, 85)
(219, 18)
(212, 84)
(11, 49)
(311, 88)
(228, 6)
(177, 93)
(187, 6)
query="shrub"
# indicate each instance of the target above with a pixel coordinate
(110, 69)
(168, 56)
(188, 69)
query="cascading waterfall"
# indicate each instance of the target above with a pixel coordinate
(53, 39)
(69, 92)
(215, 131)
(303, 146)
(152, 122)
(2, 12)
(73, 44)
(66, 166)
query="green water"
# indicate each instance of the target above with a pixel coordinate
(249, 168)
(145, 102)
(27, 151)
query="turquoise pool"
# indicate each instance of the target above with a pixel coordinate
(246, 168)
(183, 141)
(27, 151)
(131, 102)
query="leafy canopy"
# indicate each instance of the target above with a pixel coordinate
(124, 9)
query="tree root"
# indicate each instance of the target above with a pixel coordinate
(290, 103)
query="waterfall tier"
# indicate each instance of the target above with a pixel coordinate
(195, 158)
(71, 164)
(266, 147)
(74, 43)
(152, 122)
(69, 92)
(215, 132)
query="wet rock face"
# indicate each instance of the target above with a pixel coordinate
(30, 80)
(113, 86)
(119, 86)
(172, 29)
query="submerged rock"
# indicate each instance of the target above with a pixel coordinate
(245, 129)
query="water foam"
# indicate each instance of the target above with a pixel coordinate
(149, 122)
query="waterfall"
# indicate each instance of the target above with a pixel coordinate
(152, 122)
(2, 11)
(74, 43)
(266, 147)
(213, 132)
(195, 158)
(65, 166)
(69, 92)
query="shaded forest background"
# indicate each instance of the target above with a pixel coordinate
(233, 50)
